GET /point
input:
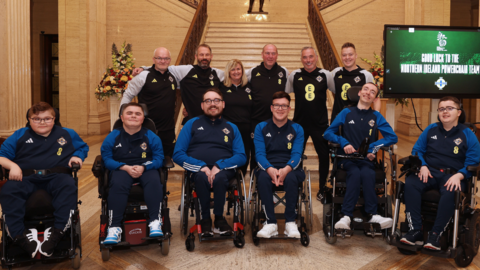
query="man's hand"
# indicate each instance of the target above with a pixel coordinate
(207, 171)
(15, 173)
(370, 156)
(139, 170)
(137, 71)
(273, 173)
(349, 149)
(129, 169)
(454, 182)
(282, 173)
(75, 160)
(424, 174)
(184, 112)
(213, 172)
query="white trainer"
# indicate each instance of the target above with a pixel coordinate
(343, 223)
(383, 221)
(268, 231)
(291, 229)
(114, 236)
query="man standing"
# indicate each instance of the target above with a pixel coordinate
(279, 143)
(210, 148)
(156, 87)
(195, 80)
(310, 86)
(347, 76)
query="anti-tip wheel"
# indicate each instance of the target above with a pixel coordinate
(305, 239)
(105, 254)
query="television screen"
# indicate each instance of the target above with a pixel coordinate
(431, 61)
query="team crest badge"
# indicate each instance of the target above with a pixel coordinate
(290, 136)
(61, 141)
(319, 78)
(226, 131)
(251, 135)
(280, 75)
(357, 79)
(457, 141)
(143, 146)
(170, 78)
(211, 77)
(248, 90)
(371, 123)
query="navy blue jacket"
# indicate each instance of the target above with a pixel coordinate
(203, 142)
(29, 150)
(455, 149)
(358, 124)
(142, 148)
(278, 147)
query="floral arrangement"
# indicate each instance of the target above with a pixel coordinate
(115, 80)
(377, 70)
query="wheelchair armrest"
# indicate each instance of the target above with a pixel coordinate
(403, 161)
(385, 148)
(97, 167)
(1, 173)
(75, 167)
(334, 145)
(472, 168)
(304, 157)
(168, 162)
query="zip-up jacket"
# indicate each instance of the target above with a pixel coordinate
(29, 150)
(203, 142)
(278, 146)
(343, 80)
(238, 103)
(310, 90)
(157, 91)
(265, 83)
(142, 148)
(358, 124)
(455, 149)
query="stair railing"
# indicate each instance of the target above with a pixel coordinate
(322, 4)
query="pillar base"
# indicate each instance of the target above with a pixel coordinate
(406, 125)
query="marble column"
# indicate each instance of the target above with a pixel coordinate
(16, 92)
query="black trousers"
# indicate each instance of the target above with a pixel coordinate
(168, 141)
(321, 147)
(245, 131)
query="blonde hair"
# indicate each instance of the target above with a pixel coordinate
(231, 65)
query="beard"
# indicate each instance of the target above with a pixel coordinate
(214, 115)
(204, 63)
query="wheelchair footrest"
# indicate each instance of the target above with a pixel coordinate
(449, 253)
(281, 236)
(160, 238)
(343, 233)
(121, 244)
(216, 237)
(414, 248)
(372, 229)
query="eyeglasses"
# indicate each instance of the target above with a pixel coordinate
(447, 109)
(162, 59)
(215, 101)
(39, 120)
(278, 107)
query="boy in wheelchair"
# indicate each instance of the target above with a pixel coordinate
(358, 123)
(133, 153)
(279, 146)
(445, 149)
(40, 156)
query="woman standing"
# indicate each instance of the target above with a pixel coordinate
(238, 103)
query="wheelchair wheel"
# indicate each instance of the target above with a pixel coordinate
(105, 254)
(406, 251)
(304, 239)
(331, 239)
(242, 194)
(165, 247)
(308, 204)
(251, 197)
(76, 259)
(471, 240)
(239, 242)
(190, 243)
(184, 206)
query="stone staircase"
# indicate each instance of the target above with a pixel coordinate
(245, 41)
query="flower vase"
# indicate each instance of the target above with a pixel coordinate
(114, 109)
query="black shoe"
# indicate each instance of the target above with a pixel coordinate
(413, 237)
(222, 227)
(28, 241)
(320, 196)
(433, 241)
(206, 225)
(52, 237)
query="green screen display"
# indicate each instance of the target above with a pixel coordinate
(429, 61)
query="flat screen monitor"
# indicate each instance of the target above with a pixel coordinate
(431, 61)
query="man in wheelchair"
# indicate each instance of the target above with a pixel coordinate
(133, 153)
(279, 147)
(357, 124)
(210, 148)
(40, 157)
(445, 149)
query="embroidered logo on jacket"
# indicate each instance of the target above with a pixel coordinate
(200, 128)
(170, 78)
(319, 78)
(29, 141)
(434, 137)
(211, 77)
(154, 80)
(280, 75)
(371, 123)
(62, 141)
(351, 122)
(248, 90)
(457, 141)
(226, 131)
(290, 136)
(357, 79)
(268, 135)
(143, 146)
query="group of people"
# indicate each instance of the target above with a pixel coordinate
(232, 116)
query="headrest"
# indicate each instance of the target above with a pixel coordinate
(145, 110)
(352, 94)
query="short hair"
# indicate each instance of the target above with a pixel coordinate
(281, 94)
(133, 104)
(169, 54)
(213, 89)
(204, 46)
(231, 65)
(308, 47)
(348, 45)
(378, 90)
(40, 107)
(454, 99)
(263, 49)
